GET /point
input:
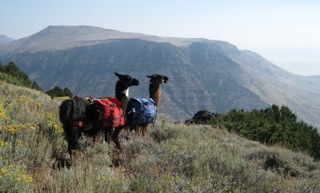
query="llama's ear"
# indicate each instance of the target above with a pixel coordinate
(165, 79)
(149, 76)
(116, 74)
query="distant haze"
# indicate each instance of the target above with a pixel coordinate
(298, 61)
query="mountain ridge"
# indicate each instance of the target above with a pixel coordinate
(203, 74)
(54, 38)
(5, 39)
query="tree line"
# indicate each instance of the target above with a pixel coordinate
(13, 75)
(273, 125)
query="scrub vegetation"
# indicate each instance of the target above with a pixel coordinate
(173, 157)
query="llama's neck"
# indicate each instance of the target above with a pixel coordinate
(155, 92)
(125, 92)
(122, 94)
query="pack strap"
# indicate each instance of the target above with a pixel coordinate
(77, 123)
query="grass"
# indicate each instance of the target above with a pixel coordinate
(171, 158)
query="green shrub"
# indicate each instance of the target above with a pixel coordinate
(273, 125)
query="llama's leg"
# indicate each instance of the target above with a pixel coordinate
(115, 137)
(144, 129)
(73, 134)
(108, 134)
(127, 130)
(132, 128)
(137, 129)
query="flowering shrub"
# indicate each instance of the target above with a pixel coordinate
(4, 118)
(14, 128)
(51, 121)
(13, 176)
(3, 143)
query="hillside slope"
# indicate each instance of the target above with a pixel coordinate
(203, 74)
(171, 158)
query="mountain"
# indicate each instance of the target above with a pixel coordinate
(4, 39)
(203, 74)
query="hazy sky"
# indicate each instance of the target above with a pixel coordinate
(285, 32)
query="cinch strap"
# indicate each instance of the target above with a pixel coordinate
(77, 123)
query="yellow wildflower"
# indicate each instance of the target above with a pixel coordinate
(3, 143)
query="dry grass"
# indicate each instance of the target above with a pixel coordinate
(172, 158)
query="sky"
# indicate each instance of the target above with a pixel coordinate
(285, 32)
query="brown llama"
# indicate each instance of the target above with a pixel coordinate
(154, 94)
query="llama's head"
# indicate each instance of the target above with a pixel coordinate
(127, 80)
(158, 78)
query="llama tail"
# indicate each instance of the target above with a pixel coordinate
(65, 111)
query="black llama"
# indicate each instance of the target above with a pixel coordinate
(79, 115)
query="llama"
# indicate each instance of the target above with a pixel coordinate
(122, 95)
(79, 115)
(154, 93)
